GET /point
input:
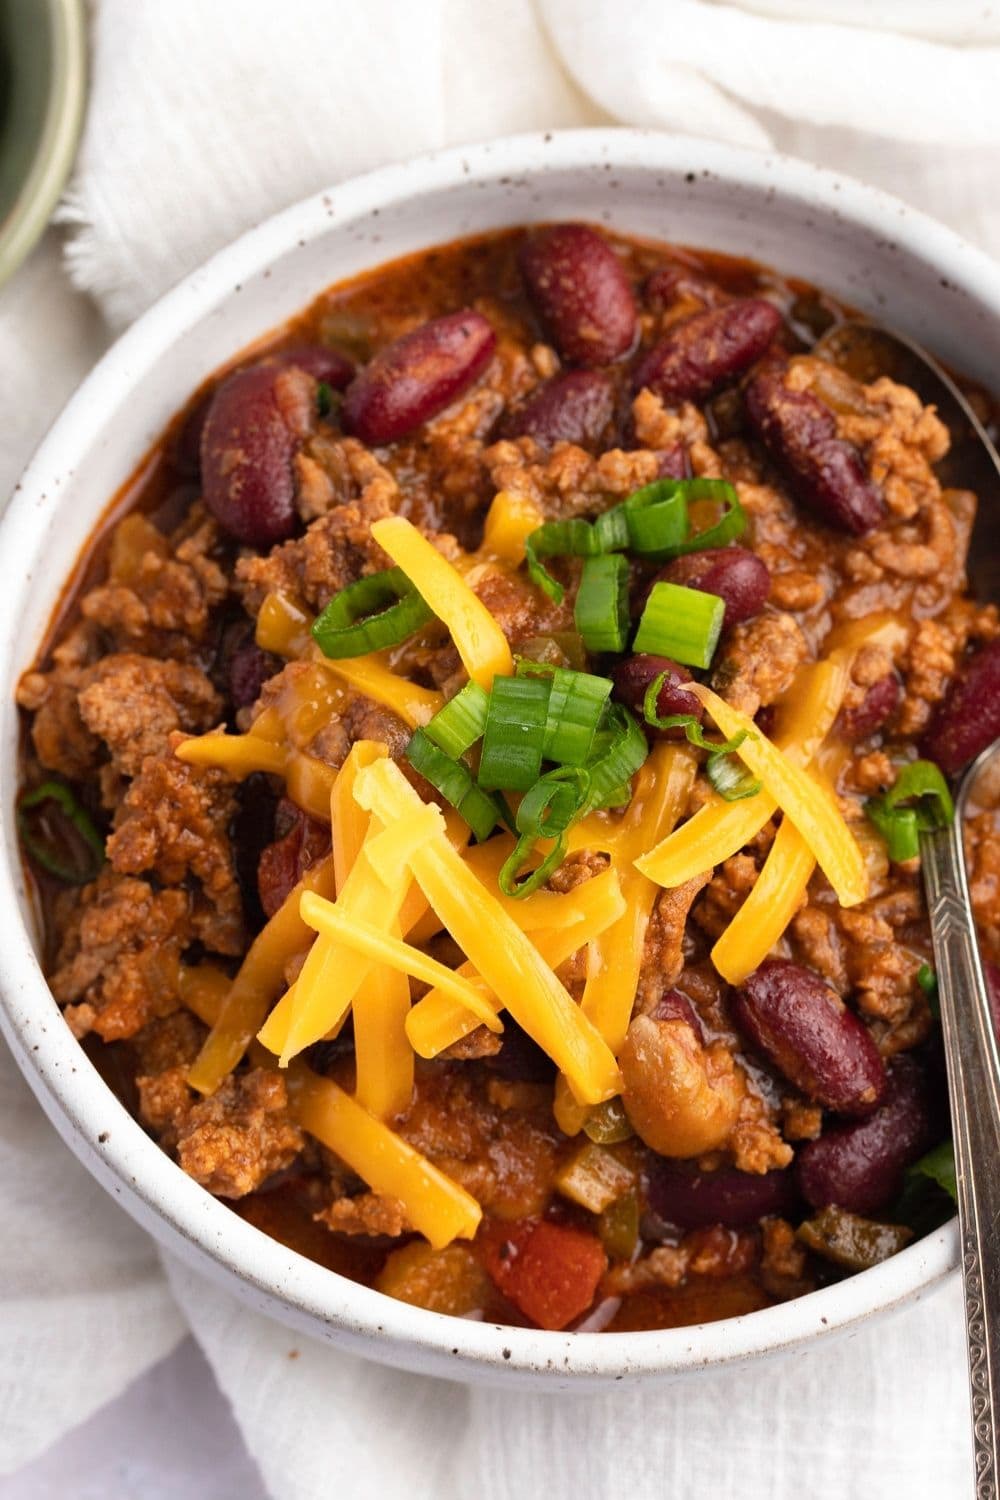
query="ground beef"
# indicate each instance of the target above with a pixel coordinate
(982, 845)
(757, 661)
(173, 823)
(117, 965)
(568, 481)
(134, 703)
(714, 1252)
(240, 1136)
(335, 550)
(365, 1213)
(663, 954)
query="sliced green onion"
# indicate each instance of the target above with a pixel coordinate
(576, 705)
(690, 725)
(324, 398)
(461, 722)
(59, 834)
(682, 623)
(508, 880)
(729, 777)
(654, 520)
(601, 609)
(554, 802)
(939, 1166)
(920, 802)
(728, 528)
(375, 612)
(620, 751)
(514, 738)
(572, 538)
(898, 826)
(927, 980)
(454, 780)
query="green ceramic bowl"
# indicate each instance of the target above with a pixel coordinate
(43, 83)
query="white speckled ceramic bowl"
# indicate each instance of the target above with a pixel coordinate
(861, 245)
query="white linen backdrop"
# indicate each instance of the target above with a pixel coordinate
(205, 117)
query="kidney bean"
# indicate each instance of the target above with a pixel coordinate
(571, 408)
(860, 1166)
(412, 379)
(704, 352)
(681, 1195)
(520, 1058)
(632, 677)
(672, 463)
(300, 843)
(580, 290)
(251, 434)
(673, 1006)
(249, 669)
(318, 360)
(250, 831)
(826, 473)
(737, 575)
(797, 1021)
(875, 709)
(968, 717)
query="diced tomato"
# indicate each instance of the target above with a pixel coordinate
(284, 862)
(549, 1271)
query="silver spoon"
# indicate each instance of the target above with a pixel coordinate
(867, 351)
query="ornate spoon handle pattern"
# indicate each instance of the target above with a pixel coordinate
(974, 1086)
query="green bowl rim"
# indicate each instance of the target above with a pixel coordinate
(57, 143)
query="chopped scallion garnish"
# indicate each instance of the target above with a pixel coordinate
(601, 609)
(59, 834)
(920, 802)
(576, 704)
(378, 611)
(514, 737)
(728, 776)
(681, 623)
(454, 780)
(457, 726)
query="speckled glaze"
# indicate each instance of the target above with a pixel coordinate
(858, 243)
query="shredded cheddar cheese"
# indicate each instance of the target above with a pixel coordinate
(260, 979)
(772, 903)
(478, 638)
(354, 932)
(811, 806)
(501, 953)
(510, 520)
(437, 1022)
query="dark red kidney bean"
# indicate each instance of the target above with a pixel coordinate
(300, 842)
(250, 831)
(796, 1020)
(670, 283)
(417, 376)
(860, 1166)
(737, 575)
(679, 1194)
(319, 361)
(252, 432)
(249, 669)
(875, 709)
(968, 717)
(672, 463)
(632, 677)
(673, 1006)
(704, 352)
(582, 295)
(571, 408)
(826, 473)
(520, 1058)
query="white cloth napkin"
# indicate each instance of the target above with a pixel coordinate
(205, 117)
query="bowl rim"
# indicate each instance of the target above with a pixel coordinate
(52, 158)
(123, 1157)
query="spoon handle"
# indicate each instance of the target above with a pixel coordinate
(974, 1086)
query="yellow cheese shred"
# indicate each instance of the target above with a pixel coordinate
(437, 1021)
(501, 953)
(480, 642)
(436, 1206)
(772, 903)
(510, 520)
(811, 806)
(720, 828)
(260, 979)
(383, 1057)
(380, 946)
(348, 824)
